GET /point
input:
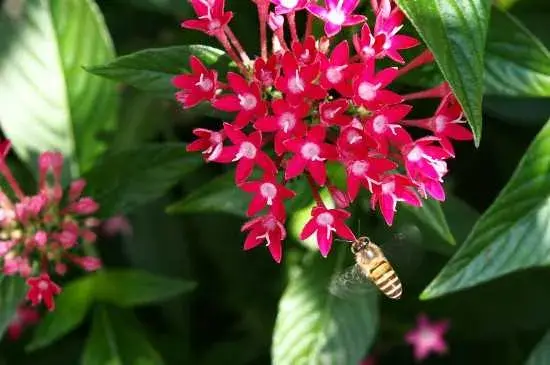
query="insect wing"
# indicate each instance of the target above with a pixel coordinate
(350, 282)
(404, 252)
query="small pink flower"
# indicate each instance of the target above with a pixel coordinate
(210, 143)
(17, 265)
(84, 206)
(88, 263)
(40, 238)
(366, 171)
(305, 53)
(391, 190)
(247, 100)
(76, 188)
(298, 83)
(424, 159)
(369, 87)
(118, 224)
(333, 113)
(212, 18)
(247, 151)
(267, 192)
(42, 289)
(427, 337)
(384, 127)
(310, 153)
(200, 85)
(324, 222)
(337, 71)
(341, 198)
(24, 317)
(287, 6)
(266, 72)
(50, 161)
(276, 22)
(266, 228)
(336, 14)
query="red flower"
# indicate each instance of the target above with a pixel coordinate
(337, 71)
(325, 221)
(209, 142)
(310, 153)
(336, 14)
(266, 72)
(266, 228)
(42, 289)
(297, 83)
(247, 151)
(334, 113)
(424, 159)
(267, 192)
(200, 85)
(369, 87)
(384, 127)
(305, 53)
(23, 318)
(287, 122)
(247, 101)
(393, 189)
(366, 171)
(212, 17)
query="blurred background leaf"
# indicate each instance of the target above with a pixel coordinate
(12, 293)
(541, 353)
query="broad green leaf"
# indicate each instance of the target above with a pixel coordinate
(48, 102)
(12, 293)
(117, 339)
(120, 181)
(431, 215)
(71, 307)
(315, 327)
(152, 70)
(455, 31)
(516, 62)
(127, 288)
(541, 353)
(512, 234)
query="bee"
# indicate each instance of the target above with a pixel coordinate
(373, 264)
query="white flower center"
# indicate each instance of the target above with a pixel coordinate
(214, 25)
(204, 83)
(379, 124)
(367, 91)
(296, 84)
(288, 3)
(325, 219)
(359, 168)
(428, 337)
(388, 188)
(336, 16)
(415, 154)
(270, 224)
(268, 191)
(266, 77)
(247, 150)
(330, 113)
(305, 56)
(334, 74)
(310, 151)
(43, 285)
(439, 123)
(353, 137)
(287, 121)
(248, 101)
(215, 138)
(368, 51)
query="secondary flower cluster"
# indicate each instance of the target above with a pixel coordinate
(318, 101)
(44, 232)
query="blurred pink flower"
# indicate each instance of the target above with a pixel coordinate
(370, 360)
(24, 317)
(115, 225)
(427, 337)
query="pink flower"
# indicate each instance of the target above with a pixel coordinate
(247, 151)
(212, 17)
(427, 337)
(424, 159)
(369, 87)
(84, 206)
(24, 317)
(337, 71)
(200, 85)
(297, 83)
(336, 14)
(88, 263)
(371, 360)
(324, 222)
(333, 113)
(266, 228)
(366, 171)
(115, 225)
(266, 72)
(393, 189)
(385, 41)
(267, 192)
(247, 101)
(310, 153)
(209, 142)
(306, 52)
(42, 289)
(76, 188)
(50, 161)
(287, 6)
(384, 127)
(287, 122)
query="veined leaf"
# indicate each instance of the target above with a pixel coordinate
(516, 62)
(12, 293)
(71, 307)
(455, 31)
(541, 353)
(117, 339)
(152, 70)
(512, 234)
(315, 327)
(122, 180)
(48, 102)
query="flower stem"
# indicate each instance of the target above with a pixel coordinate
(5, 170)
(222, 38)
(309, 25)
(438, 91)
(314, 190)
(422, 59)
(263, 10)
(292, 24)
(237, 45)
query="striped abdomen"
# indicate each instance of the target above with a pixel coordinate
(385, 278)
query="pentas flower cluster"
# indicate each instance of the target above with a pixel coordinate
(314, 101)
(45, 232)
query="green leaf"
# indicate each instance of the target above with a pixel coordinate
(455, 31)
(71, 307)
(431, 215)
(152, 70)
(117, 339)
(516, 62)
(12, 293)
(315, 327)
(512, 234)
(48, 102)
(128, 288)
(541, 353)
(120, 181)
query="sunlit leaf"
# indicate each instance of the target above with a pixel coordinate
(541, 353)
(512, 234)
